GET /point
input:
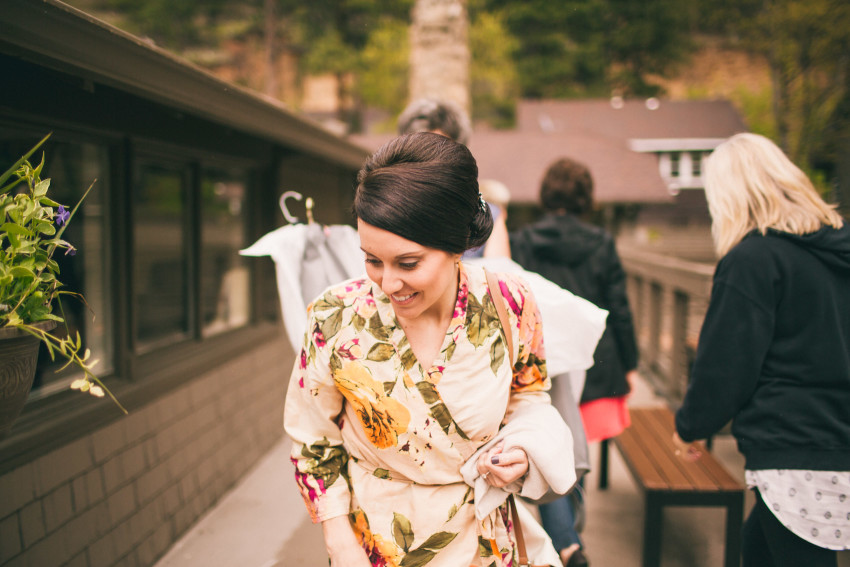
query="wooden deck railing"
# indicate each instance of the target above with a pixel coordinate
(668, 297)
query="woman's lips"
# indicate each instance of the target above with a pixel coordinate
(403, 299)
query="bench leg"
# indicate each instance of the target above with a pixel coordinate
(734, 525)
(652, 524)
(603, 464)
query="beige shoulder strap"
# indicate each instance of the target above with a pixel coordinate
(499, 302)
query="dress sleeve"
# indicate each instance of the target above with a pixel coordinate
(313, 404)
(530, 382)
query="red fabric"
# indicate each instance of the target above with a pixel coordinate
(604, 418)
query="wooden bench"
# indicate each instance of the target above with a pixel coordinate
(667, 480)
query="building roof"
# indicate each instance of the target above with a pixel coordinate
(520, 159)
(634, 119)
(615, 143)
(54, 34)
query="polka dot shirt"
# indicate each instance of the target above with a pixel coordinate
(814, 505)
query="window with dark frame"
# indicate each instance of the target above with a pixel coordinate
(160, 254)
(674, 164)
(696, 163)
(224, 274)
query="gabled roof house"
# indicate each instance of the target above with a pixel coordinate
(638, 151)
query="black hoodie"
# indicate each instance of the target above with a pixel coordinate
(774, 352)
(581, 258)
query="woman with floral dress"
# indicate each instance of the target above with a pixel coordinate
(404, 375)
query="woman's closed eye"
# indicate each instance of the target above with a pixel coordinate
(402, 265)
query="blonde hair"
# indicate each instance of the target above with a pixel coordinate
(751, 185)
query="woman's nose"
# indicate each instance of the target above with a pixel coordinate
(391, 281)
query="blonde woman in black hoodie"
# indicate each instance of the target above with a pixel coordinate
(774, 353)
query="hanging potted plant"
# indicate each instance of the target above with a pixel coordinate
(31, 233)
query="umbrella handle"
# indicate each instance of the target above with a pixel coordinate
(309, 204)
(286, 214)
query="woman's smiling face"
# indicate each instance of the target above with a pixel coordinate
(417, 279)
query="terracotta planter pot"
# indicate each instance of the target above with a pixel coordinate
(18, 358)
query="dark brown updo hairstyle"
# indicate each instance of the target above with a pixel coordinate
(568, 186)
(424, 187)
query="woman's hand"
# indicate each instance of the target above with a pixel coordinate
(686, 451)
(343, 547)
(500, 468)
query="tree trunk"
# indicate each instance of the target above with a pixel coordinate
(439, 51)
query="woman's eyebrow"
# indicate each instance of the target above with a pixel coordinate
(417, 254)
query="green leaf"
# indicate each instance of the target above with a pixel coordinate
(388, 387)
(9, 172)
(22, 272)
(335, 362)
(380, 352)
(402, 532)
(16, 229)
(441, 413)
(452, 512)
(44, 227)
(48, 202)
(40, 189)
(484, 547)
(450, 350)
(377, 330)
(331, 325)
(358, 322)
(428, 392)
(417, 558)
(328, 301)
(408, 359)
(497, 354)
(477, 324)
(438, 541)
(382, 473)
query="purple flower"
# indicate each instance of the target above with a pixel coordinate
(71, 251)
(62, 216)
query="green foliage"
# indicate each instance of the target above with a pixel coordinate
(31, 232)
(757, 110)
(175, 25)
(806, 43)
(492, 70)
(584, 47)
(384, 64)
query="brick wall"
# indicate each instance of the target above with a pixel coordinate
(125, 493)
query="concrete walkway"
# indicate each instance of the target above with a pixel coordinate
(263, 523)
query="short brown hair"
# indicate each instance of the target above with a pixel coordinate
(567, 185)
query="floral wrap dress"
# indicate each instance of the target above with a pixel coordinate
(380, 437)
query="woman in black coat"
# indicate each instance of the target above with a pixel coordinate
(582, 259)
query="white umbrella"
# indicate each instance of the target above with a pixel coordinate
(308, 258)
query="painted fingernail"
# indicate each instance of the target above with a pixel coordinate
(494, 460)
